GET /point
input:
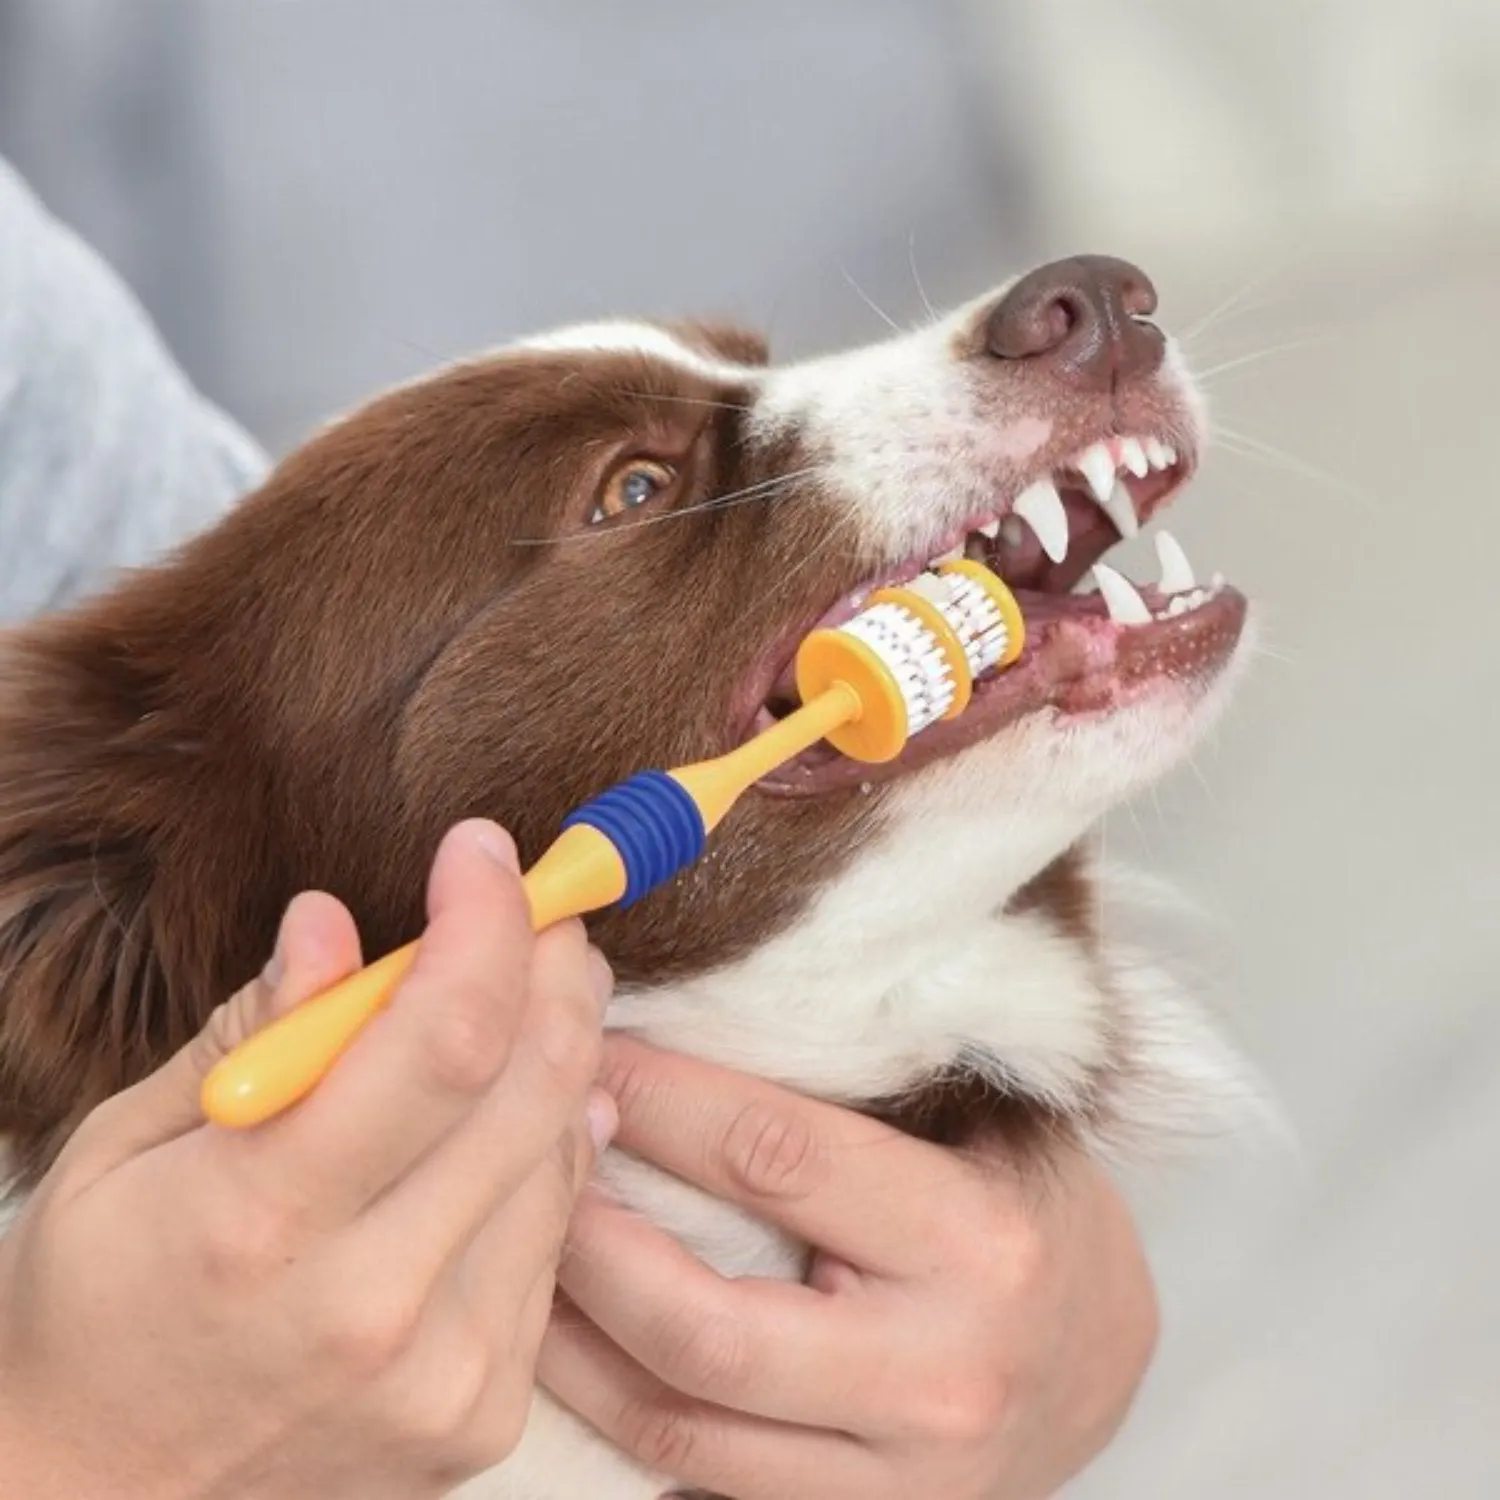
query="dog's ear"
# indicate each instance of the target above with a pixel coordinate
(109, 959)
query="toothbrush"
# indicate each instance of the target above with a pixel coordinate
(907, 659)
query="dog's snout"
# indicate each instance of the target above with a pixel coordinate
(1082, 318)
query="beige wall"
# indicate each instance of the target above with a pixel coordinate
(1334, 1319)
(1333, 168)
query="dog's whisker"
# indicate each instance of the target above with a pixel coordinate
(416, 348)
(687, 400)
(911, 260)
(1201, 777)
(1284, 658)
(868, 300)
(1235, 304)
(1255, 356)
(1250, 447)
(765, 490)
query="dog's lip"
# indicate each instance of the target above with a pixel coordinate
(1074, 665)
(774, 671)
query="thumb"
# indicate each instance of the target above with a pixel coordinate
(317, 946)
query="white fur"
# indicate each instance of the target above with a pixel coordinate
(909, 959)
(625, 336)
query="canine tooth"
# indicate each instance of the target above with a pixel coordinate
(990, 529)
(1126, 607)
(1156, 453)
(1176, 570)
(1041, 507)
(1133, 456)
(1098, 468)
(1120, 508)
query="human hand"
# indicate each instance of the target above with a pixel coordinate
(349, 1299)
(965, 1331)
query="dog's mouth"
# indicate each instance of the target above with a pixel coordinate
(1088, 649)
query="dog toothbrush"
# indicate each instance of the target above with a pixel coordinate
(907, 659)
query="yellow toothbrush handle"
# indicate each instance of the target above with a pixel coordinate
(581, 872)
(282, 1063)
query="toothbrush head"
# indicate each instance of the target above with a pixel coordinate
(912, 655)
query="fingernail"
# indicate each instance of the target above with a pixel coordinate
(603, 1119)
(497, 845)
(601, 977)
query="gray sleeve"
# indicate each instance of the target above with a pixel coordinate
(108, 456)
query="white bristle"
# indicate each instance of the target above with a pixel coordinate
(916, 662)
(972, 614)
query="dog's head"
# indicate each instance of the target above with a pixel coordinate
(497, 590)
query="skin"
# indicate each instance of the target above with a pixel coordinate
(965, 1331)
(355, 1299)
(350, 1299)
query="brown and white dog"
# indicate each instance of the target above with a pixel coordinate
(497, 590)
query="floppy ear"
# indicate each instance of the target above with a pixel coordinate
(105, 970)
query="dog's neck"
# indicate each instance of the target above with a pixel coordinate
(960, 938)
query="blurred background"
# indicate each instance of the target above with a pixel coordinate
(317, 197)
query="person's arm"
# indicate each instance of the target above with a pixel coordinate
(964, 1332)
(348, 1300)
(108, 456)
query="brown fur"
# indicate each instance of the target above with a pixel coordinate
(409, 624)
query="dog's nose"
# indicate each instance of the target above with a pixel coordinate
(1082, 318)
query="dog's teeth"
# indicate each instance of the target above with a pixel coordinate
(1170, 454)
(1125, 605)
(1013, 532)
(1156, 454)
(1216, 582)
(1098, 468)
(1041, 507)
(1176, 570)
(1120, 508)
(990, 529)
(1133, 456)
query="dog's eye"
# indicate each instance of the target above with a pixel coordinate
(630, 485)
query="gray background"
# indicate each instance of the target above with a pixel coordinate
(318, 196)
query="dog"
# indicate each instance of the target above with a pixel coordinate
(501, 588)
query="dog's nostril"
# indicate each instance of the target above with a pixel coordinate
(1083, 318)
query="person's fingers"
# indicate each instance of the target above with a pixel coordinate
(845, 1183)
(513, 1129)
(697, 1444)
(471, 1360)
(317, 945)
(508, 1274)
(771, 1348)
(423, 1063)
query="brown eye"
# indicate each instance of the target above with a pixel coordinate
(630, 485)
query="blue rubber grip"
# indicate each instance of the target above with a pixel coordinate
(653, 822)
